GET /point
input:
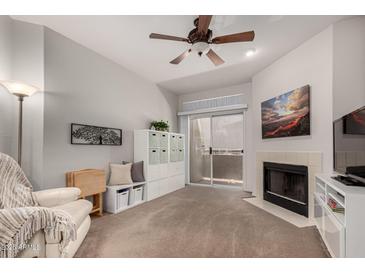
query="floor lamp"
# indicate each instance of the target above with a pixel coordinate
(20, 90)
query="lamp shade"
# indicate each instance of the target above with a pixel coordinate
(18, 88)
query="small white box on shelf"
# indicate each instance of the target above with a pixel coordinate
(154, 139)
(164, 156)
(180, 142)
(181, 155)
(173, 141)
(164, 141)
(138, 194)
(154, 156)
(122, 198)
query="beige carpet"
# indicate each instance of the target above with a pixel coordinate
(199, 222)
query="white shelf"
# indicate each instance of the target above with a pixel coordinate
(343, 233)
(112, 196)
(164, 171)
(337, 199)
(119, 187)
(321, 186)
(339, 216)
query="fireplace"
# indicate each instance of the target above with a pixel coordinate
(287, 186)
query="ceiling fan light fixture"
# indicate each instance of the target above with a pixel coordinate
(200, 47)
(201, 37)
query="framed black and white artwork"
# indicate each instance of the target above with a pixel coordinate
(95, 135)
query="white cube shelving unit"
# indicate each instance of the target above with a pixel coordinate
(163, 157)
(343, 233)
(121, 197)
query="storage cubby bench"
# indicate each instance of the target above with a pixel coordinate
(121, 197)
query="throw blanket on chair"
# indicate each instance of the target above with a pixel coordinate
(21, 216)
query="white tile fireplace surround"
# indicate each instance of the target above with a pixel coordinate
(312, 159)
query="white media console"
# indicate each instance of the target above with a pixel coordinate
(163, 157)
(343, 233)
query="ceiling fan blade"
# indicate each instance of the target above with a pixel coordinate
(181, 57)
(204, 21)
(214, 58)
(237, 37)
(168, 37)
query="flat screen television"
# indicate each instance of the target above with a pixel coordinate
(349, 145)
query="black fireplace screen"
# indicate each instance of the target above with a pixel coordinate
(290, 185)
(287, 186)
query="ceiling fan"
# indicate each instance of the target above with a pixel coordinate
(200, 39)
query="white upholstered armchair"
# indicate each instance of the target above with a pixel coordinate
(66, 199)
(47, 223)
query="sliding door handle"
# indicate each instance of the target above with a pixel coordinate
(210, 150)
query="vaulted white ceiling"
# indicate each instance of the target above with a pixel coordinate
(124, 39)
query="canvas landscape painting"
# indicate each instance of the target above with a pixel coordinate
(286, 115)
(94, 135)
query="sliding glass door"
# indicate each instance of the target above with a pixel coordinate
(227, 149)
(200, 154)
(216, 149)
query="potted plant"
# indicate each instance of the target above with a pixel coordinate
(160, 125)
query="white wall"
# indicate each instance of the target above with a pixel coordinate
(309, 64)
(21, 55)
(7, 101)
(28, 67)
(348, 65)
(84, 87)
